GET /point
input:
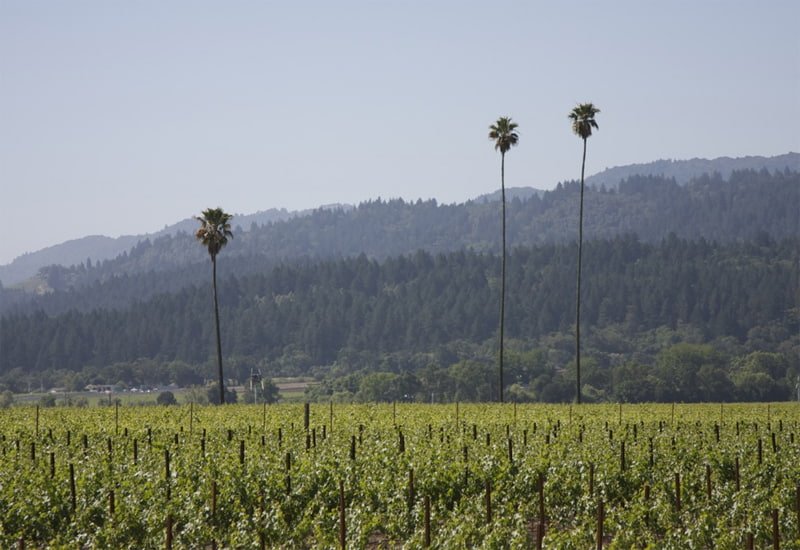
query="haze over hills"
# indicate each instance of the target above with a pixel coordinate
(684, 170)
(100, 248)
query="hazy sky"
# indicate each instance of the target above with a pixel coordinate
(122, 117)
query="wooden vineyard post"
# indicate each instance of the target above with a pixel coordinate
(540, 526)
(760, 451)
(601, 516)
(116, 418)
(52, 465)
(620, 414)
(342, 526)
(306, 415)
(708, 481)
(135, 451)
(168, 544)
(166, 473)
(647, 505)
(797, 508)
(402, 442)
(331, 417)
(776, 534)
(427, 540)
(111, 504)
(37, 421)
(411, 493)
(736, 474)
(510, 451)
(352, 447)
(241, 452)
(622, 456)
(678, 492)
(591, 479)
(264, 419)
(72, 497)
(749, 542)
(262, 535)
(488, 498)
(672, 415)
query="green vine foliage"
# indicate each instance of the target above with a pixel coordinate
(247, 475)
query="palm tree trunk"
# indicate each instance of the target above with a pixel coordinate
(578, 294)
(503, 270)
(216, 323)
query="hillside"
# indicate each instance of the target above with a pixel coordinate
(334, 318)
(99, 248)
(747, 206)
(683, 171)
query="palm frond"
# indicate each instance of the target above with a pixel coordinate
(583, 120)
(214, 230)
(503, 134)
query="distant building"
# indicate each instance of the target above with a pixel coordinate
(100, 388)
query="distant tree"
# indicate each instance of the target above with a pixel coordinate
(583, 121)
(504, 137)
(6, 399)
(166, 398)
(214, 232)
(214, 397)
(47, 401)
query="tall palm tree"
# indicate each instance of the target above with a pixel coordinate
(214, 232)
(504, 137)
(583, 121)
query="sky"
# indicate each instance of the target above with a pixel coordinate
(124, 117)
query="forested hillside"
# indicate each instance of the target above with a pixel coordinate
(684, 171)
(427, 322)
(746, 206)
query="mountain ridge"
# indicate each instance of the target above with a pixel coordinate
(99, 248)
(684, 170)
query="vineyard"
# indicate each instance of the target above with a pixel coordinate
(404, 475)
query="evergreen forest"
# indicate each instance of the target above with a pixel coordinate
(690, 293)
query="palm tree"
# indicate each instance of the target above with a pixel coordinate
(583, 121)
(214, 232)
(504, 137)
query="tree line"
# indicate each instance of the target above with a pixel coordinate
(748, 205)
(349, 317)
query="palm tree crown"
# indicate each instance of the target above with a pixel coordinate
(583, 121)
(503, 134)
(215, 230)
